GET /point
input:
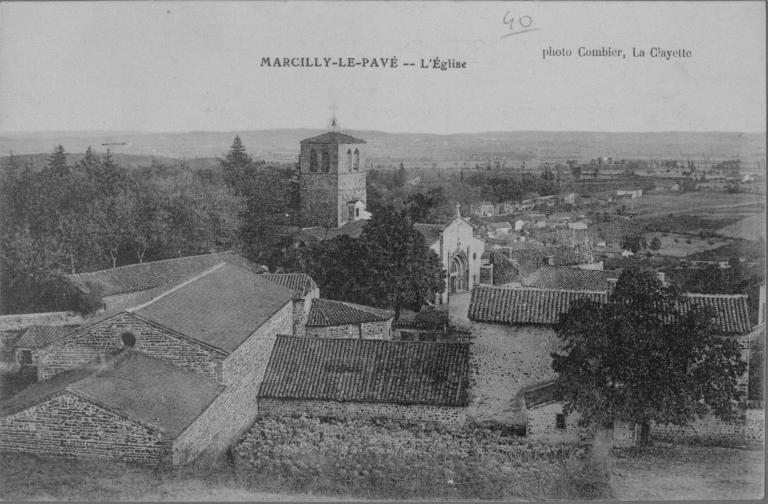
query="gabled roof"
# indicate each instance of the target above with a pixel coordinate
(431, 232)
(731, 311)
(524, 306)
(39, 336)
(539, 396)
(326, 312)
(499, 225)
(221, 308)
(136, 385)
(300, 283)
(139, 277)
(333, 138)
(565, 278)
(400, 372)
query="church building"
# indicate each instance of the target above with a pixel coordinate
(332, 180)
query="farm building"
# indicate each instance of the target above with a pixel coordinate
(339, 319)
(215, 329)
(411, 381)
(304, 291)
(119, 285)
(566, 278)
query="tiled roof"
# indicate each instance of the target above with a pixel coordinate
(138, 277)
(431, 232)
(524, 306)
(731, 311)
(541, 395)
(300, 283)
(326, 312)
(565, 278)
(221, 308)
(139, 386)
(333, 138)
(499, 225)
(151, 391)
(39, 336)
(398, 372)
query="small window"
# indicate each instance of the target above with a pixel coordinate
(474, 256)
(325, 164)
(357, 212)
(608, 425)
(129, 339)
(25, 357)
(312, 160)
(560, 421)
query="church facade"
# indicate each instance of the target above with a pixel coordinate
(332, 180)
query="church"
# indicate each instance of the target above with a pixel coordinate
(333, 197)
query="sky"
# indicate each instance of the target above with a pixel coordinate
(197, 66)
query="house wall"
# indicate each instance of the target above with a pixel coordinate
(542, 424)
(508, 360)
(754, 428)
(22, 321)
(105, 337)
(236, 408)
(366, 330)
(454, 417)
(69, 426)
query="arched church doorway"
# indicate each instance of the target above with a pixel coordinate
(458, 274)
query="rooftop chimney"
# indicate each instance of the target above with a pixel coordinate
(662, 276)
(611, 284)
(550, 260)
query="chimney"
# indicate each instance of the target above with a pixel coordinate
(550, 260)
(662, 276)
(611, 284)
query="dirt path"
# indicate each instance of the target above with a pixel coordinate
(690, 472)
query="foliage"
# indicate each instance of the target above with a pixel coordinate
(389, 266)
(655, 243)
(634, 243)
(756, 388)
(637, 358)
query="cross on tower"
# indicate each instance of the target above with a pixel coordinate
(334, 124)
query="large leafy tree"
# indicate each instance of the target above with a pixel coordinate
(639, 358)
(389, 266)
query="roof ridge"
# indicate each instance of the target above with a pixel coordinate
(145, 263)
(541, 289)
(175, 288)
(726, 296)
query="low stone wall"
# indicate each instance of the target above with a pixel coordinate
(452, 417)
(24, 320)
(69, 426)
(366, 330)
(709, 430)
(754, 422)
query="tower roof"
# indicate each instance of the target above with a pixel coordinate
(333, 138)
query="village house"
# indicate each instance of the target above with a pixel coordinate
(498, 228)
(578, 225)
(119, 285)
(304, 291)
(167, 376)
(482, 209)
(635, 193)
(344, 378)
(339, 319)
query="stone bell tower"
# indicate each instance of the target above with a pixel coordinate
(332, 179)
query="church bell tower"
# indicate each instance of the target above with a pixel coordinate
(332, 179)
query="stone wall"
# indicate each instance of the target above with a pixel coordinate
(68, 425)
(105, 337)
(754, 425)
(24, 320)
(366, 330)
(453, 417)
(236, 408)
(507, 360)
(709, 430)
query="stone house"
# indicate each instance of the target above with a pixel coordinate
(32, 340)
(482, 209)
(513, 338)
(345, 378)
(120, 285)
(498, 228)
(578, 225)
(339, 319)
(304, 291)
(213, 331)
(460, 252)
(568, 278)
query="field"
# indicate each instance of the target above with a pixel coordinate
(676, 245)
(695, 203)
(669, 472)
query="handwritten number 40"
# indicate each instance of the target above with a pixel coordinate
(523, 24)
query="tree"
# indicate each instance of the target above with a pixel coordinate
(655, 243)
(389, 266)
(639, 358)
(57, 162)
(400, 176)
(547, 174)
(633, 243)
(235, 163)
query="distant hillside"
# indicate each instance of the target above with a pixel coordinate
(283, 145)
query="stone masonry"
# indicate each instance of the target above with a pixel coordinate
(105, 337)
